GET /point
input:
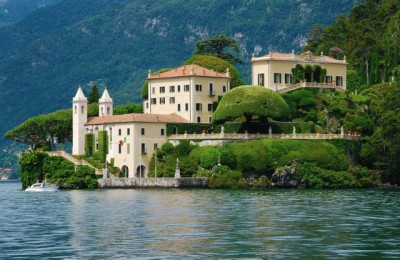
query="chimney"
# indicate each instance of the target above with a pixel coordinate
(228, 74)
(293, 55)
(149, 74)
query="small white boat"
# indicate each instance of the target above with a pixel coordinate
(42, 187)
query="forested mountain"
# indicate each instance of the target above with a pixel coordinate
(370, 38)
(44, 57)
(12, 11)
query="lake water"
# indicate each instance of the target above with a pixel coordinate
(155, 223)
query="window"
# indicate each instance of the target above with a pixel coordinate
(111, 134)
(172, 100)
(162, 131)
(162, 100)
(179, 88)
(198, 106)
(288, 78)
(82, 109)
(223, 89)
(153, 90)
(153, 101)
(198, 119)
(128, 131)
(75, 109)
(211, 90)
(155, 146)
(141, 131)
(120, 131)
(162, 89)
(339, 81)
(143, 148)
(119, 147)
(210, 107)
(108, 111)
(179, 107)
(128, 148)
(147, 104)
(171, 88)
(328, 79)
(277, 78)
(261, 79)
(199, 87)
(186, 107)
(210, 119)
(186, 88)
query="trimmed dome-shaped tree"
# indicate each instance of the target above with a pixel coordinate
(218, 65)
(250, 102)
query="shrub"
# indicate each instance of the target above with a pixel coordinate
(226, 178)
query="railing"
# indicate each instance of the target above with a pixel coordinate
(310, 85)
(246, 136)
(74, 160)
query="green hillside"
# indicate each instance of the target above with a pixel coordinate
(12, 11)
(44, 57)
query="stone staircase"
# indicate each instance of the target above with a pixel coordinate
(75, 161)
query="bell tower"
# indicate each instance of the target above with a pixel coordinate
(105, 104)
(79, 119)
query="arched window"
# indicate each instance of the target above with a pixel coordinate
(82, 109)
(108, 111)
(75, 109)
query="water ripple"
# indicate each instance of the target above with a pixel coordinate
(159, 224)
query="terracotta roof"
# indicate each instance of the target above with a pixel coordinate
(188, 70)
(130, 118)
(306, 57)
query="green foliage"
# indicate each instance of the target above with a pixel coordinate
(219, 46)
(188, 128)
(89, 144)
(31, 168)
(94, 95)
(218, 65)
(249, 102)
(369, 36)
(128, 109)
(62, 172)
(103, 145)
(226, 178)
(44, 130)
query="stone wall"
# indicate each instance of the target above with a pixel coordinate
(132, 183)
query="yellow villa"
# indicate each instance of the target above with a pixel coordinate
(189, 90)
(287, 71)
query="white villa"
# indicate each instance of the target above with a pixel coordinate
(184, 95)
(129, 139)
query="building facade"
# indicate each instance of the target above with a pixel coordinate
(277, 71)
(190, 91)
(131, 138)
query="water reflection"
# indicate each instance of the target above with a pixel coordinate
(200, 224)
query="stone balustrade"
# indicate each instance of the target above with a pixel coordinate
(246, 136)
(310, 85)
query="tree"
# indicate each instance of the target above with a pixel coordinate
(94, 95)
(44, 131)
(250, 102)
(218, 65)
(219, 46)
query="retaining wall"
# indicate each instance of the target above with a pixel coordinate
(132, 183)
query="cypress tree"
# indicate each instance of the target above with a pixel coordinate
(94, 95)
